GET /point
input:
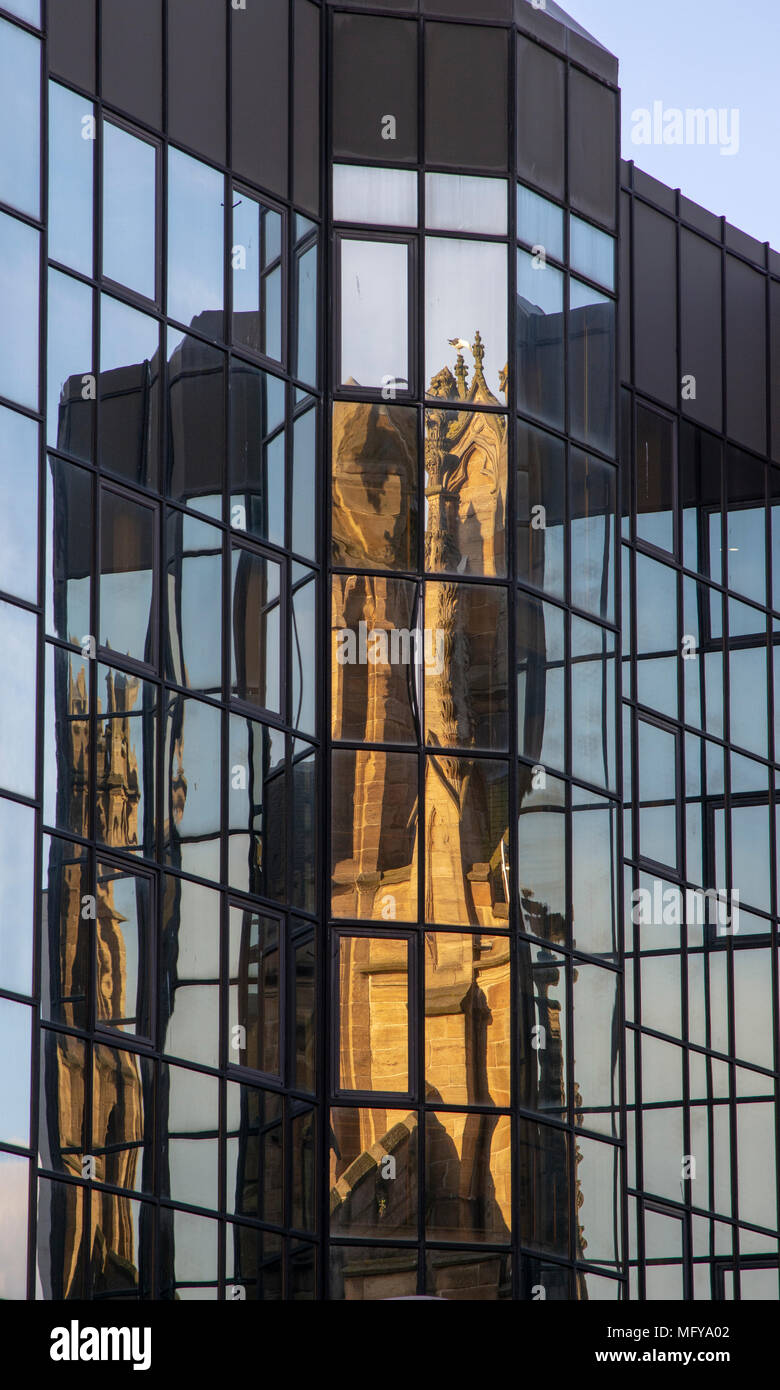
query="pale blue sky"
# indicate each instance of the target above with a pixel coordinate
(702, 53)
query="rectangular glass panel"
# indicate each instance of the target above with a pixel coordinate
(374, 88)
(374, 829)
(467, 841)
(15, 1042)
(373, 1014)
(20, 119)
(592, 366)
(305, 490)
(594, 869)
(18, 505)
(14, 1213)
(593, 702)
(254, 1156)
(70, 406)
(462, 203)
(543, 1169)
(19, 268)
(541, 509)
(541, 682)
(383, 197)
(596, 1075)
(468, 1177)
(129, 210)
(592, 253)
(258, 453)
(539, 222)
(655, 479)
(193, 786)
(130, 367)
(17, 886)
(657, 794)
(305, 290)
(374, 314)
(19, 645)
(189, 1138)
(373, 1181)
(257, 275)
(466, 302)
(191, 970)
(127, 577)
(257, 629)
(592, 501)
(464, 665)
(378, 658)
(126, 732)
(255, 990)
(541, 834)
(539, 339)
(71, 166)
(194, 604)
(197, 423)
(66, 741)
(196, 243)
(467, 1018)
(474, 60)
(125, 963)
(258, 809)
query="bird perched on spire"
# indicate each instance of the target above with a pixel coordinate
(460, 344)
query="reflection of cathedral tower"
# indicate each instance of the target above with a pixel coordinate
(468, 1039)
(84, 929)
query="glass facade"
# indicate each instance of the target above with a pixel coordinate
(388, 720)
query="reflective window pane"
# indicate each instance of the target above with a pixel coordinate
(18, 642)
(129, 215)
(541, 682)
(69, 521)
(592, 500)
(126, 733)
(592, 253)
(593, 703)
(541, 833)
(20, 118)
(66, 741)
(26, 9)
(374, 824)
(305, 281)
(19, 259)
(127, 577)
(255, 1162)
(129, 392)
(192, 786)
(196, 240)
(125, 951)
(465, 489)
(190, 953)
(257, 629)
(464, 666)
(539, 339)
(258, 237)
(541, 489)
(539, 222)
(378, 657)
(657, 794)
(18, 505)
(462, 203)
(14, 1204)
(374, 314)
(466, 303)
(258, 454)
(305, 490)
(594, 870)
(473, 60)
(467, 1019)
(71, 165)
(70, 406)
(595, 1048)
(193, 646)
(190, 1146)
(654, 473)
(467, 841)
(373, 1014)
(468, 1154)
(383, 197)
(363, 1202)
(374, 77)
(592, 366)
(255, 991)
(544, 1187)
(15, 1042)
(196, 422)
(257, 851)
(16, 895)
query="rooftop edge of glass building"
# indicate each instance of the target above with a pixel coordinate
(389, 489)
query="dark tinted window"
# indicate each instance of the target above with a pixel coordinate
(306, 129)
(655, 303)
(466, 97)
(540, 143)
(72, 41)
(196, 75)
(746, 354)
(375, 88)
(260, 94)
(131, 48)
(774, 320)
(196, 410)
(700, 315)
(592, 152)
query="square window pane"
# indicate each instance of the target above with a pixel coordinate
(374, 314)
(460, 203)
(129, 210)
(383, 197)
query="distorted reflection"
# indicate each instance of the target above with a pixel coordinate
(373, 994)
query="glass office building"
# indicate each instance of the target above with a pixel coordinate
(389, 489)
